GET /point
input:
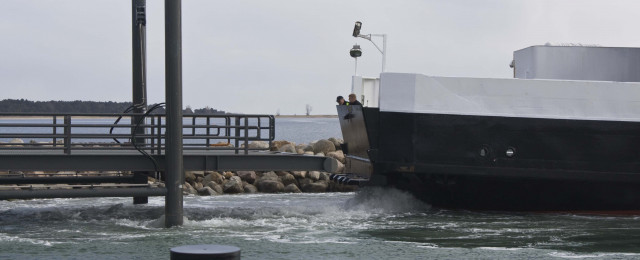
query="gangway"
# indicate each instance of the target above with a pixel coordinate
(90, 155)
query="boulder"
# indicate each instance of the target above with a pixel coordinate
(299, 151)
(324, 176)
(313, 175)
(234, 185)
(270, 186)
(276, 145)
(248, 176)
(287, 148)
(198, 186)
(228, 175)
(281, 173)
(336, 142)
(198, 173)
(189, 176)
(308, 148)
(340, 168)
(269, 176)
(222, 144)
(292, 188)
(213, 176)
(300, 146)
(315, 187)
(302, 182)
(188, 189)
(299, 174)
(309, 153)
(288, 179)
(214, 186)
(206, 191)
(320, 154)
(259, 145)
(250, 189)
(323, 146)
(338, 155)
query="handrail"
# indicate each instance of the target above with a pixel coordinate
(9, 114)
(90, 131)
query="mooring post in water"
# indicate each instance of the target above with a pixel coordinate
(210, 252)
(173, 97)
(139, 68)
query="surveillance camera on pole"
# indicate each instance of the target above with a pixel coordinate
(383, 51)
(356, 29)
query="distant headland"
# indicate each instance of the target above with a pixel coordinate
(79, 106)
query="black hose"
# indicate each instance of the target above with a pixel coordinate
(133, 136)
(131, 107)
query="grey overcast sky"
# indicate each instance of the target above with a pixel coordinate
(255, 56)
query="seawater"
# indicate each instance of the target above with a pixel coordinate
(305, 130)
(373, 223)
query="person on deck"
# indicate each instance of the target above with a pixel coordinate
(341, 101)
(353, 101)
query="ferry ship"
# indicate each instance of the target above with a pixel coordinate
(562, 135)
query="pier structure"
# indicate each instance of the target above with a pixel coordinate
(69, 155)
(44, 155)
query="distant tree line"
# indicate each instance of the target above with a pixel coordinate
(78, 106)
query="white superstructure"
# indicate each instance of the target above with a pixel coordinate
(554, 99)
(367, 90)
(577, 63)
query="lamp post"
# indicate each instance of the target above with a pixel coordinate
(355, 52)
(383, 51)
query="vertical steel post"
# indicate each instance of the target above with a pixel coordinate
(138, 62)
(55, 130)
(173, 96)
(139, 68)
(384, 52)
(237, 136)
(67, 134)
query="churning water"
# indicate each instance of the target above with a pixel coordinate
(371, 224)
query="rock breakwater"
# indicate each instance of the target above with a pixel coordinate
(207, 183)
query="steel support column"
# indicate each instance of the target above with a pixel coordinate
(138, 62)
(139, 69)
(173, 96)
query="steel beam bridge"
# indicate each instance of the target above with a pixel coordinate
(58, 143)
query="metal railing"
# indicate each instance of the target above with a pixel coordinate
(78, 131)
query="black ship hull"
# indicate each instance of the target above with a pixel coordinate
(499, 163)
